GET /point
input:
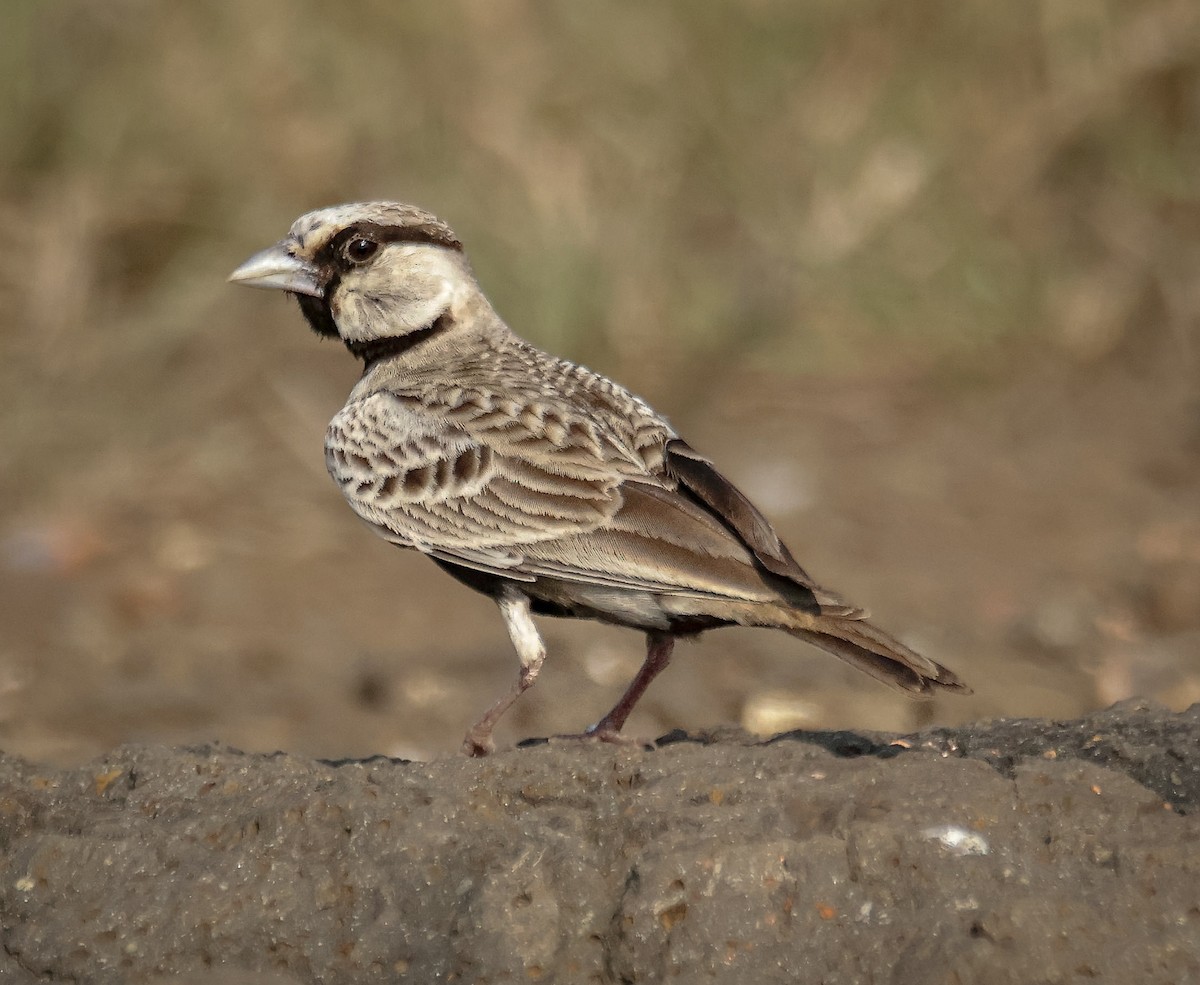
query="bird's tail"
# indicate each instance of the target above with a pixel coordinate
(844, 631)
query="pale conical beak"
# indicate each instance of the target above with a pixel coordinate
(277, 268)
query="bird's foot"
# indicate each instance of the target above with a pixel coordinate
(606, 733)
(478, 742)
(609, 736)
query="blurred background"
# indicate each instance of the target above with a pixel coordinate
(924, 278)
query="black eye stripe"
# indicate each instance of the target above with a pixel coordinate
(434, 235)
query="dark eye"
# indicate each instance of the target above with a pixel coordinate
(360, 249)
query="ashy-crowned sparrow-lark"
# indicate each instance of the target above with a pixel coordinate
(536, 481)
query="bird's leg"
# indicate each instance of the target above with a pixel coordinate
(531, 651)
(658, 655)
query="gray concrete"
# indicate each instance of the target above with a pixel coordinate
(1006, 852)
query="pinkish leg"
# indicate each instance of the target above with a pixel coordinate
(658, 655)
(514, 607)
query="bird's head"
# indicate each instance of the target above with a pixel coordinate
(367, 273)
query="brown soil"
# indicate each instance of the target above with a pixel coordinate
(1040, 537)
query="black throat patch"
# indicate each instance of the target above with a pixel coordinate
(318, 315)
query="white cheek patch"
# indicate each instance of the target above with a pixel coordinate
(405, 289)
(419, 313)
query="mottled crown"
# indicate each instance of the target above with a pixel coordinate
(389, 221)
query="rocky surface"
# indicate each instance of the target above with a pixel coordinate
(1014, 851)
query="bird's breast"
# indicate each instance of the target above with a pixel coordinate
(383, 453)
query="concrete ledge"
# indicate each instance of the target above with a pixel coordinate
(1013, 851)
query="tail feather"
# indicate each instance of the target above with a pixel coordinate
(870, 649)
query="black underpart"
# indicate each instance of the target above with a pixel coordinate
(492, 585)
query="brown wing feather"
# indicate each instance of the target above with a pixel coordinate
(459, 490)
(700, 477)
(527, 495)
(657, 541)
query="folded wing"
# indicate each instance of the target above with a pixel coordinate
(536, 494)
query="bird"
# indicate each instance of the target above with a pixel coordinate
(532, 479)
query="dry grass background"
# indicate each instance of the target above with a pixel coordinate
(924, 277)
